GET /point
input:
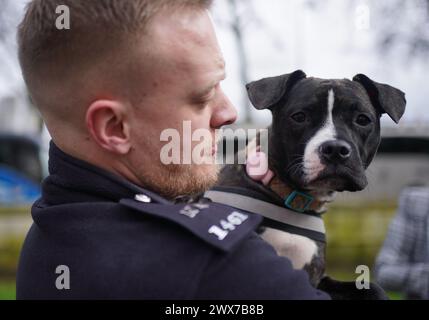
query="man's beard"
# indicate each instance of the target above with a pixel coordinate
(172, 181)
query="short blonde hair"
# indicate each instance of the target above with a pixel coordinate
(99, 28)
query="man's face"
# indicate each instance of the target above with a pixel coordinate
(182, 72)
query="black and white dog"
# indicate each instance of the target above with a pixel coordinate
(323, 137)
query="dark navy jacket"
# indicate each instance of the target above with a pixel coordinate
(117, 247)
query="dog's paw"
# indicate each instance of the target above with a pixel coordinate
(343, 290)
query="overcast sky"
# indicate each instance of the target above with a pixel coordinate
(334, 39)
(327, 39)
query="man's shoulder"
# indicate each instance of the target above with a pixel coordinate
(238, 264)
(219, 226)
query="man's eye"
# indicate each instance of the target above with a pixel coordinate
(299, 117)
(206, 98)
(363, 120)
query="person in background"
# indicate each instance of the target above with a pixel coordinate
(403, 262)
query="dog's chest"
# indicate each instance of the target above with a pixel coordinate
(303, 252)
(299, 249)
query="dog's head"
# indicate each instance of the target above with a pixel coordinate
(325, 133)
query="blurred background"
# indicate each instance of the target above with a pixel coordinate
(388, 40)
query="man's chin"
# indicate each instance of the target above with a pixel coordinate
(207, 174)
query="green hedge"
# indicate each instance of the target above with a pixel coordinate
(7, 289)
(355, 236)
(9, 255)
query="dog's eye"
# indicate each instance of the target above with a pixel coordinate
(299, 117)
(363, 120)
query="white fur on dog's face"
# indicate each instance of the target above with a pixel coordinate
(313, 165)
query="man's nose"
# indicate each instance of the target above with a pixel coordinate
(224, 113)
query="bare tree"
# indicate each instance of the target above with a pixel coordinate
(236, 26)
(3, 20)
(243, 17)
(240, 13)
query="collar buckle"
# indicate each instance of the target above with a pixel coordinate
(298, 201)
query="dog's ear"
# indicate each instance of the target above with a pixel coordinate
(267, 92)
(385, 98)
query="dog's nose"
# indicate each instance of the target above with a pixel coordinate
(335, 150)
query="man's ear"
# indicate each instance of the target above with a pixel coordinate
(267, 92)
(106, 123)
(386, 99)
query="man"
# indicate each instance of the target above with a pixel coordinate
(403, 262)
(106, 225)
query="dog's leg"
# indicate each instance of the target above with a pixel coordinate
(300, 250)
(303, 252)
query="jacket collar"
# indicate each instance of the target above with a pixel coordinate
(73, 180)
